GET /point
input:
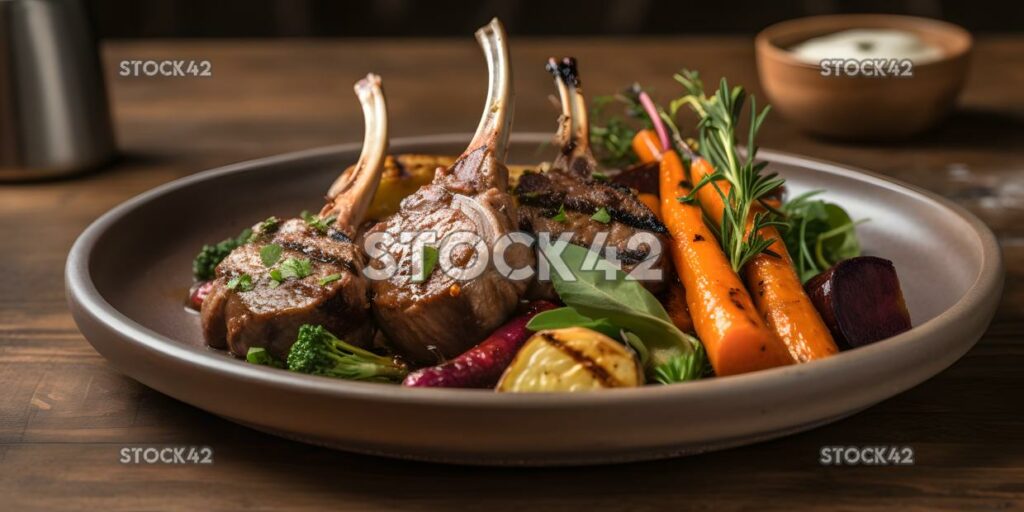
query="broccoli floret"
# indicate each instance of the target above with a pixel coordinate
(318, 352)
(205, 263)
(260, 356)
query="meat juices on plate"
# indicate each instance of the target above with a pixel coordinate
(441, 316)
(267, 312)
(570, 186)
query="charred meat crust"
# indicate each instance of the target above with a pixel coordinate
(553, 191)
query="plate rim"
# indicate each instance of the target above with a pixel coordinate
(84, 298)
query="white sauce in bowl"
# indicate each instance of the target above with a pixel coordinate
(867, 44)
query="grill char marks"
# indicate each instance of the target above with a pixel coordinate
(335, 293)
(443, 316)
(569, 184)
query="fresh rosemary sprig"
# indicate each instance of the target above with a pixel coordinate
(719, 116)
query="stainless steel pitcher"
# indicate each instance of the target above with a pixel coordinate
(54, 116)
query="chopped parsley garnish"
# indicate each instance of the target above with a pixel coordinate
(241, 282)
(294, 267)
(275, 278)
(600, 176)
(560, 216)
(429, 262)
(268, 226)
(602, 216)
(270, 253)
(329, 279)
(321, 224)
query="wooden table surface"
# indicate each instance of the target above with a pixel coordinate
(65, 414)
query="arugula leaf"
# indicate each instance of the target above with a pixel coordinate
(623, 302)
(560, 216)
(818, 234)
(270, 253)
(294, 267)
(602, 216)
(329, 279)
(429, 262)
(241, 282)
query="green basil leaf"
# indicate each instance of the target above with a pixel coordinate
(622, 302)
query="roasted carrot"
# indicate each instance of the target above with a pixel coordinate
(675, 306)
(773, 283)
(647, 146)
(652, 202)
(735, 338)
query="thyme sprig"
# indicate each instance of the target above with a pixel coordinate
(718, 125)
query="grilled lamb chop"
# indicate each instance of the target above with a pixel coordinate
(318, 278)
(570, 185)
(440, 316)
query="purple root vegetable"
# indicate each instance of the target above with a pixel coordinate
(482, 365)
(860, 301)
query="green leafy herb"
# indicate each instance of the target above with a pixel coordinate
(719, 116)
(612, 141)
(602, 216)
(560, 216)
(205, 263)
(294, 267)
(429, 262)
(818, 234)
(259, 355)
(623, 302)
(321, 224)
(329, 279)
(683, 367)
(241, 282)
(318, 352)
(270, 253)
(599, 176)
(266, 227)
(568, 317)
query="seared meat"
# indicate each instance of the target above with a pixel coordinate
(569, 186)
(317, 277)
(441, 316)
(269, 314)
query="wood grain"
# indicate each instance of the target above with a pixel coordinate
(65, 414)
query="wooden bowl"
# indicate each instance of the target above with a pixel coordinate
(861, 107)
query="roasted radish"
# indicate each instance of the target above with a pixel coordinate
(860, 300)
(571, 359)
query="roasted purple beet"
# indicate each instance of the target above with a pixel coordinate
(860, 300)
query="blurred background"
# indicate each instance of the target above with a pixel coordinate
(451, 18)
